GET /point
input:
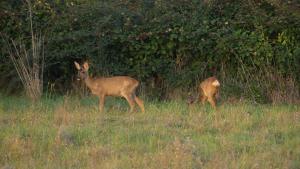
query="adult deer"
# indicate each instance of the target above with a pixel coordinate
(122, 86)
(208, 90)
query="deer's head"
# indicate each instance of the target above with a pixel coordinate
(82, 70)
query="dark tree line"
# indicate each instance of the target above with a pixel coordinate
(253, 47)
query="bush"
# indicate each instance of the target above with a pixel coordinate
(180, 42)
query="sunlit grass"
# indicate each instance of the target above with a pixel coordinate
(68, 132)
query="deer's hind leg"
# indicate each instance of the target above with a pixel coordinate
(202, 99)
(139, 102)
(202, 96)
(212, 101)
(130, 101)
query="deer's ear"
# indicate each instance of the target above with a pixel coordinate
(77, 65)
(86, 66)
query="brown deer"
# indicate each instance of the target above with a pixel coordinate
(122, 86)
(208, 89)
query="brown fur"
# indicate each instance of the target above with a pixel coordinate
(208, 91)
(122, 86)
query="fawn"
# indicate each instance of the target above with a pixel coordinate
(122, 86)
(208, 89)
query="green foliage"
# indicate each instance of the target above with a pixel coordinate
(179, 41)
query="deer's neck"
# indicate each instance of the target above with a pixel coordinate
(89, 82)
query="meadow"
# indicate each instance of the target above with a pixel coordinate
(69, 132)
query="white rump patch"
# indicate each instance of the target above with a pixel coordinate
(216, 83)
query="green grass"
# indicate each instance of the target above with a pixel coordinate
(69, 132)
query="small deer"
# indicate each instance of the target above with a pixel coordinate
(122, 86)
(208, 89)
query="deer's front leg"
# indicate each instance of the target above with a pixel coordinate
(101, 102)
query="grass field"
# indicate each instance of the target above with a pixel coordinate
(66, 132)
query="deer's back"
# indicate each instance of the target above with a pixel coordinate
(116, 85)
